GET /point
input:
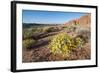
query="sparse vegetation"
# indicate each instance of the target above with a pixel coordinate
(50, 29)
(56, 42)
(28, 43)
(84, 34)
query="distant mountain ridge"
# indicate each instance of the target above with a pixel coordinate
(28, 25)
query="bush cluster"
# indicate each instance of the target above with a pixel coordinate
(28, 43)
(50, 29)
(63, 44)
(31, 32)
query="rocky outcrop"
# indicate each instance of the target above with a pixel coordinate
(83, 21)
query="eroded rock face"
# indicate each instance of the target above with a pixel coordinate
(83, 21)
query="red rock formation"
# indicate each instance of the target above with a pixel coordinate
(83, 20)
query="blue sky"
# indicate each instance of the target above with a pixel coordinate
(50, 17)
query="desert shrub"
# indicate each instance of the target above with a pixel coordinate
(84, 34)
(78, 42)
(64, 44)
(65, 27)
(60, 44)
(31, 33)
(37, 30)
(28, 43)
(50, 29)
(27, 34)
(72, 28)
